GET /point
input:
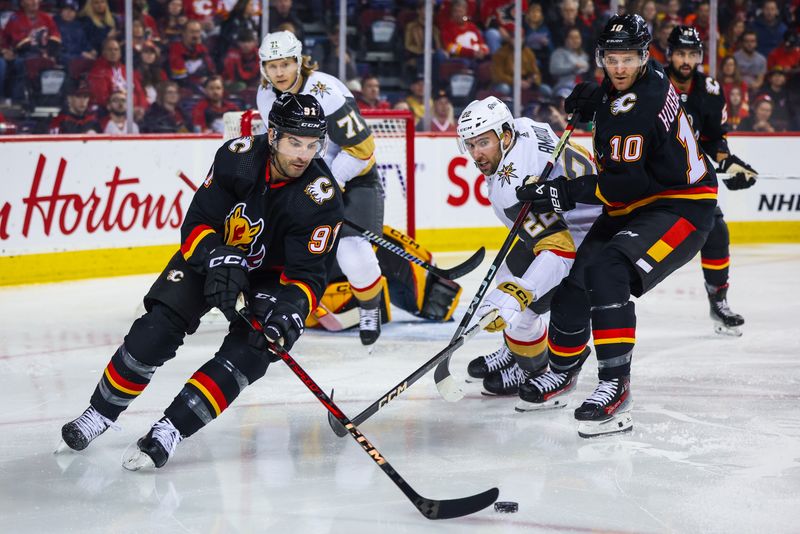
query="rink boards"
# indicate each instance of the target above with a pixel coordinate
(89, 206)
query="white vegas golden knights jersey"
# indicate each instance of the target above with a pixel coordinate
(534, 145)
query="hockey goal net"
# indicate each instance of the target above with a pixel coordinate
(394, 153)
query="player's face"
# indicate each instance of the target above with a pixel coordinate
(282, 73)
(294, 153)
(685, 61)
(485, 151)
(622, 67)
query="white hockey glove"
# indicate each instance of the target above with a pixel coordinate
(741, 174)
(509, 299)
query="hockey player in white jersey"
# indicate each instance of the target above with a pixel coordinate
(507, 151)
(350, 157)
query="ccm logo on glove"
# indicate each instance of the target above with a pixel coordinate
(523, 296)
(232, 259)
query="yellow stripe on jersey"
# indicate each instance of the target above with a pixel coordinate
(558, 241)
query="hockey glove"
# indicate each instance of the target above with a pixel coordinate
(545, 197)
(284, 325)
(742, 174)
(509, 299)
(225, 279)
(585, 99)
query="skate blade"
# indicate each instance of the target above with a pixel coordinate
(490, 394)
(472, 380)
(730, 331)
(622, 422)
(62, 447)
(525, 406)
(139, 461)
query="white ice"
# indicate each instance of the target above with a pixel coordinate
(715, 445)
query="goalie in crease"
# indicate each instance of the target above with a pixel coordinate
(508, 151)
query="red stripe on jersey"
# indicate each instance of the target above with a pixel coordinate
(305, 288)
(196, 231)
(679, 231)
(562, 253)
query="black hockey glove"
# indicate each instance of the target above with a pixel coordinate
(585, 99)
(547, 196)
(742, 174)
(225, 279)
(284, 325)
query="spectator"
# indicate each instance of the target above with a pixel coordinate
(330, 59)
(242, 64)
(114, 122)
(74, 43)
(769, 28)
(415, 99)
(648, 11)
(173, 22)
(207, 114)
(569, 63)
(672, 12)
(239, 22)
(783, 114)
(75, 117)
(752, 65)
(189, 61)
(371, 94)
(461, 38)
(108, 74)
(567, 19)
(99, 23)
(548, 112)
(414, 41)
(730, 78)
(761, 117)
(141, 12)
(163, 116)
(497, 16)
(700, 19)
(149, 71)
(503, 69)
(442, 119)
(738, 110)
(202, 12)
(730, 41)
(658, 46)
(590, 25)
(787, 55)
(537, 35)
(281, 11)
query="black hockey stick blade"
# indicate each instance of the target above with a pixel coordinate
(452, 508)
(461, 269)
(337, 427)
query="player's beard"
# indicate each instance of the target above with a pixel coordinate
(680, 76)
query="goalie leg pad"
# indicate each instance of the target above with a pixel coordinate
(441, 299)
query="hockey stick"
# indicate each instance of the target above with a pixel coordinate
(430, 508)
(393, 393)
(725, 176)
(445, 383)
(451, 274)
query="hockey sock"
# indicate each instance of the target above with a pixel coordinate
(369, 297)
(124, 379)
(715, 270)
(614, 332)
(531, 355)
(569, 327)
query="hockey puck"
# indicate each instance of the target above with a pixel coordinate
(506, 507)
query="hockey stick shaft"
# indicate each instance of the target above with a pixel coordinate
(430, 508)
(395, 391)
(451, 274)
(725, 176)
(444, 381)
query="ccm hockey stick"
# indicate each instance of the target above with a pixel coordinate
(430, 508)
(445, 383)
(451, 274)
(395, 392)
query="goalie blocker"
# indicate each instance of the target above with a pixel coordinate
(405, 284)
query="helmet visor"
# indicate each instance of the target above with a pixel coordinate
(295, 146)
(625, 59)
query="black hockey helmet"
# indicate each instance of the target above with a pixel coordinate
(623, 32)
(298, 114)
(684, 37)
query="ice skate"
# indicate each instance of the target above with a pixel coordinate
(156, 448)
(80, 432)
(504, 382)
(726, 322)
(549, 390)
(607, 410)
(483, 365)
(369, 326)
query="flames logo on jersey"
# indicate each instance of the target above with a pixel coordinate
(243, 233)
(623, 104)
(319, 90)
(506, 173)
(320, 190)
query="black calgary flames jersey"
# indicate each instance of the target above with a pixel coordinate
(705, 104)
(646, 152)
(287, 227)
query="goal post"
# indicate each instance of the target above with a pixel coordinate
(393, 131)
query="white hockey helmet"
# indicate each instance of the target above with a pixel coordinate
(480, 116)
(280, 45)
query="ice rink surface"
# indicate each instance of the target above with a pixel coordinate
(715, 445)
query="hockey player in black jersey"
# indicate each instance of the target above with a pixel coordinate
(702, 98)
(658, 195)
(264, 223)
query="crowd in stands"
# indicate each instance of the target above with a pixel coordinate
(62, 67)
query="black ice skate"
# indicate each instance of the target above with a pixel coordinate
(483, 365)
(607, 410)
(726, 322)
(78, 433)
(549, 390)
(155, 448)
(504, 382)
(369, 325)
